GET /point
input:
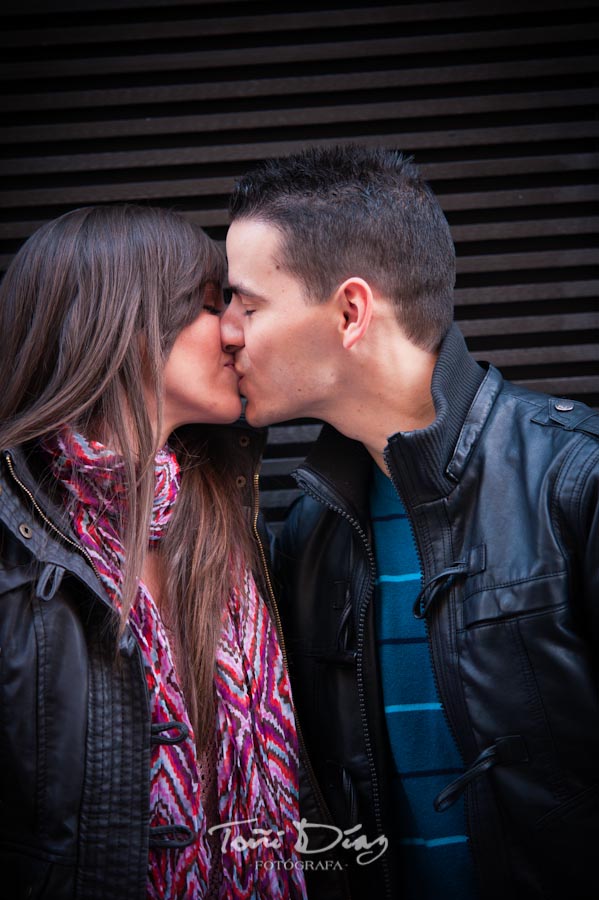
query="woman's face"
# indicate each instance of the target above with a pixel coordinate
(200, 384)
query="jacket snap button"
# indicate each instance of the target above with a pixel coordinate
(244, 440)
(241, 481)
(25, 530)
(564, 406)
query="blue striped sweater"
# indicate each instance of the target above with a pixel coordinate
(436, 859)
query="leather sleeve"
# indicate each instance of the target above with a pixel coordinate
(577, 494)
(42, 738)
(589, 517)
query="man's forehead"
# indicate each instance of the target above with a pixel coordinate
(249, 273)
(248, 233)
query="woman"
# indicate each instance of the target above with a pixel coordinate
(146, 725)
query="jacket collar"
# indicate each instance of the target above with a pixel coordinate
(341, 468)
(23, 467)
(44, 543)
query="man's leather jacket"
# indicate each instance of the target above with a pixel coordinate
(75, 730)
(502, 492)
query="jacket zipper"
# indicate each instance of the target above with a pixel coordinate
(361, 623)
(279, 628)
(432, 644)
(67, 540)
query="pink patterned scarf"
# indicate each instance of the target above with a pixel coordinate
(256, 741)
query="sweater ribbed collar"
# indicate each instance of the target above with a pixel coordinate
(420, 458)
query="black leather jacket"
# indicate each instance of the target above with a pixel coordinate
(74, 720)
(502, 491)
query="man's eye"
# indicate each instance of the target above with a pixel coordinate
(248, 312)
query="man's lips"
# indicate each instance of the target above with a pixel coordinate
(240, 377)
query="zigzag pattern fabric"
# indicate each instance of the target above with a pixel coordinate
(257, 757)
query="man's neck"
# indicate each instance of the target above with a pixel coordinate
(384, 395)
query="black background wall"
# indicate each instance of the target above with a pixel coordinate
(167, 102)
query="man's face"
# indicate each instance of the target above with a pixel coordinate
(284, 346)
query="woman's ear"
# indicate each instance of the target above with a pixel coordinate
(355, 300)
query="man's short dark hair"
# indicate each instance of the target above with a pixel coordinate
(353, 210)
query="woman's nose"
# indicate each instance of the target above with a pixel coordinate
(231, 327)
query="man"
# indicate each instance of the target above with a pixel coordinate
(439, 578)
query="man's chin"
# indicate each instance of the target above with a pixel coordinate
(253, 417)
(259, 417)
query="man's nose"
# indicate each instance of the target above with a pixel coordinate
(231, 327)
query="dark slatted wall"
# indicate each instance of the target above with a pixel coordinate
(167, 102)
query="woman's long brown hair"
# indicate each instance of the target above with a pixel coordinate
(90, 308)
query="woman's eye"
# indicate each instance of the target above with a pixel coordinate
(213, 310)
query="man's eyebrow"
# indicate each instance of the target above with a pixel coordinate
(243, 291)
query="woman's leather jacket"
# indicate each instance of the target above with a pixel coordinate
(74, 715)
(502, 492)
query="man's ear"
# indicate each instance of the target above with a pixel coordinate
(355, 301)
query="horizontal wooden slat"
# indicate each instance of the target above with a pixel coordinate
(529, 324)
(520, 197)
(276, 467)
(103, 193)
(563, 387)
(276, 54)
(550, 355)
(18, 7)
(420, 11)
(494, 231)
(520, 293)
(291, 434)
(548, 259)
(467, 169)
(204, 27)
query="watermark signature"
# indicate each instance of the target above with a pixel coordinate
(328, 837)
